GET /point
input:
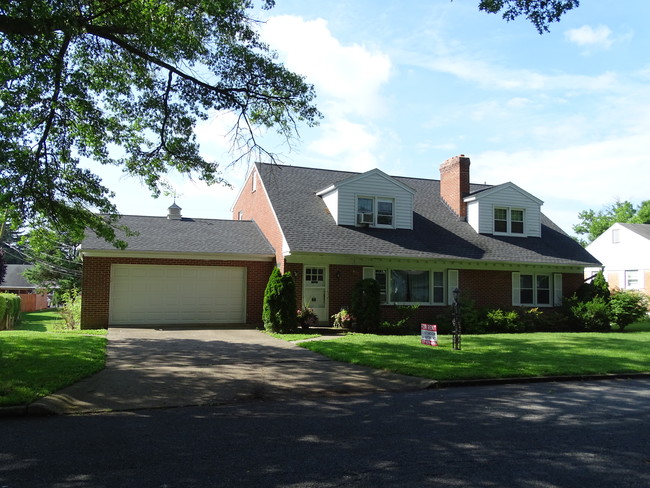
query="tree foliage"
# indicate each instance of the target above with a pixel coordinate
(593, 224)
(124, 82)
(365, 305)
(628, 306)
(540, 12)
(54, 255)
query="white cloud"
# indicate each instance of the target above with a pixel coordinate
(573, 178)
(587, 36)
(348, 81)
(350, 76)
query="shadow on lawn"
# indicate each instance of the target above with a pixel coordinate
(41, 321)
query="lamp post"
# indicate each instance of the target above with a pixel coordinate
(455, 319)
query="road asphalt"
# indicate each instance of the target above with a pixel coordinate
(164, 368)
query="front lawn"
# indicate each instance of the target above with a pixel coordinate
(495, 355)
(39, 358)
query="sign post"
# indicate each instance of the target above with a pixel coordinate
(429, 334)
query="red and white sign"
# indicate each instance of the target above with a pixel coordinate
(429, 334)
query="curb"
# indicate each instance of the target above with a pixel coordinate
(40, 409)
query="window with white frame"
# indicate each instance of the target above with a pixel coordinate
(375, 211)
(410, 286)
(632, 279)
(535, 289)
(508, 221)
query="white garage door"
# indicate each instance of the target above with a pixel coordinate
(149, 295)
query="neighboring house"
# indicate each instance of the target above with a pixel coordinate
(624, 251)
(15, 282)
(419, 238)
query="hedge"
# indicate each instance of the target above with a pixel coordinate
(9, 310)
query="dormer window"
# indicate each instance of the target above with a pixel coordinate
(508, 221)
(375, 211)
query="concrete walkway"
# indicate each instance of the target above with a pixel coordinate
(154, 368)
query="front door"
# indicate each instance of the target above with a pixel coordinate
(315, 291)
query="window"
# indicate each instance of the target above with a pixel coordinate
(385, 212)
(616, 236)
(375, 211)
(535, 289)
(314, 275)
(409, 286)
(632, 279)
(508, 221)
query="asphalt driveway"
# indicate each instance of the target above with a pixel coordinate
(162, 368)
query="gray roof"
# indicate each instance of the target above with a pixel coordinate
(159, 234)
(14, 278)
(437, 232)
(642, 229)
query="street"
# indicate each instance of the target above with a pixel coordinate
(578, 434)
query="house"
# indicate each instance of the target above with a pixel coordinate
(420, 238)
(15, 282)
(624, 251)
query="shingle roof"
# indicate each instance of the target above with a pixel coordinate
(437, 233)
(14, 278)
(642, 229)
(159, 234)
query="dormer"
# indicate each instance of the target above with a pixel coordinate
(505, 210)
(370, 199)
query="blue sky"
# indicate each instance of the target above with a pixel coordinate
(405, 85)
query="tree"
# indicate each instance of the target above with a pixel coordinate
(540, 12)
(594, 224)
(56, 264)
(124, 82)
(279, 309)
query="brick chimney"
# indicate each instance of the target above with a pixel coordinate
(454, 184)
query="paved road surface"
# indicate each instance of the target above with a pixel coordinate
(544, 435)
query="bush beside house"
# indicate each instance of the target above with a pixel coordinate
(9, 310)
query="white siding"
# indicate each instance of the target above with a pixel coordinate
(375, 185)
(331, 200)
(507, 198)
(631, 252)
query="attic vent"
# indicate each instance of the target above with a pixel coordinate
(174, 212)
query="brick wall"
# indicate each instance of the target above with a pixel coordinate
(454, 183)
(97, 274)
(255, 205)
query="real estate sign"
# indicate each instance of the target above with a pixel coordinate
(429, 334)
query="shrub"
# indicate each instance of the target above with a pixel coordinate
(71, 309)
(343, 318)
(628, 306)
(472, 320)
(9, 309)
(404, 325)
(503, 321)
(279, 309)
(589, 316)
(364, 305)
(307, 317)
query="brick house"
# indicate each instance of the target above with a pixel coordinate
(419, 238)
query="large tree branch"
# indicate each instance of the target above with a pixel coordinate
(60, 64)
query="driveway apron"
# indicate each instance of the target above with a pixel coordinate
(162, 368)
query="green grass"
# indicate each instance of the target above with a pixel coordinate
(293, 337)
(39, 358)
(495, 355)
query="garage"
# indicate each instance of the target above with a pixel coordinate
(157, 294)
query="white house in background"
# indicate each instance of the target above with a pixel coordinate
(624, 250)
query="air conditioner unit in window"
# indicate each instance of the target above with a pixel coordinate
(365, 218)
